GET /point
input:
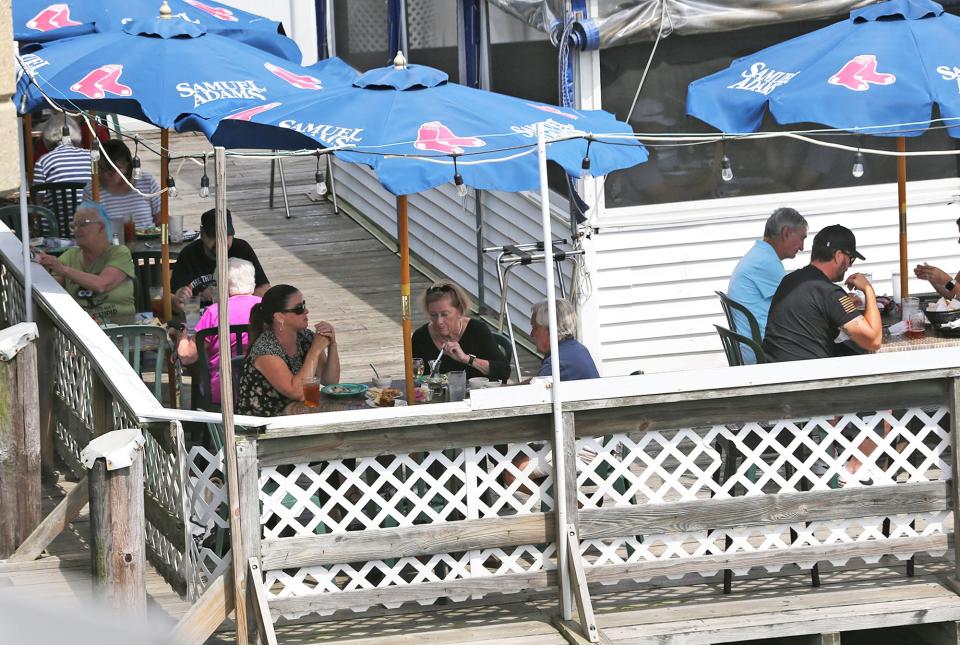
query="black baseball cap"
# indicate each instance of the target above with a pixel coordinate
(837, 238)
(208, 223)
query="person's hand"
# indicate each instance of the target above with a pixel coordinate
(320, 341)
(49, 262)
(183, 294)
(323, 328)
(454, 351)
(858, 281)
(932, 274)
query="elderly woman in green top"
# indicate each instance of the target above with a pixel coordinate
(96, 273)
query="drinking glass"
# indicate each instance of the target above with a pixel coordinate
(456, 385)
(311, 391)
(917, 323)
(176, 228)
(191, 311)
(418, 367)
(909, 305)
(156, 301)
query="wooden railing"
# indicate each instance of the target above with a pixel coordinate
(668, 475)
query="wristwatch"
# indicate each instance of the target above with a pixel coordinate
(472, 358)
(950, 286)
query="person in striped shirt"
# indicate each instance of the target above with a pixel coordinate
(117, 197)
(66, 161)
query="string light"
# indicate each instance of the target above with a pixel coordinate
(857, 169)
(137, 172)
(94, 156)
(585, 164)
(171, 187)
(204, 181)
(320, 178)
(458, 179)
(65, 132)
(726, 170)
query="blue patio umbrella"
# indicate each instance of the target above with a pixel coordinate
(46, 20)
(159, 69)
(880, 72)
(417, 131)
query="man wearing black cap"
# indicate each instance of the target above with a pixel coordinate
(195, 271)
(809, 311)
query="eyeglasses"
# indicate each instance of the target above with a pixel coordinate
(299, 309)
(83, 222)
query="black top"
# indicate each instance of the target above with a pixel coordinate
(476, 340)
(256, 396)
(806, 315)
(196, 269)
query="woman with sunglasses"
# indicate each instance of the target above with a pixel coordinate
(96, 273)
(466, 343)
(120, 192)
(284, 351)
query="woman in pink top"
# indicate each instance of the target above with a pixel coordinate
(240, 286)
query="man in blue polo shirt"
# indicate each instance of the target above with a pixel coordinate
(575, 360)
(758, 274)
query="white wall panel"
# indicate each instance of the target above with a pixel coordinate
(656, 268)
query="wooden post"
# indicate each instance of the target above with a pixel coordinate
(47, 385)
(117, 523)
(19, 437)
(902, 203)
(403, 235)
(953, 404)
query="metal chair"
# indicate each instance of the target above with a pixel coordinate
(61, 197)
(40, 221)
(146, 348)
(731, 346)
(201, 393)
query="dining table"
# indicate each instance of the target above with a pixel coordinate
(933, 338)
(330, 403)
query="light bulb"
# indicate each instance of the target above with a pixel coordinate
(461, 187)
(585, 166)
(857, 170)
(726, 172)
(65, 135)
(204, 187)
(94, 154)
(137, 173)
(171, 187)
(321, 180)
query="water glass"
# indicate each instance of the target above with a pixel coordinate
(176, 228)
(456, 385)
(191, 311)
(909, 305)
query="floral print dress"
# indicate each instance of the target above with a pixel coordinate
(257, 397)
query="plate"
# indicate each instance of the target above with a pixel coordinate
(342, 390)
(189, 236)
(397, 403)
(151, 233)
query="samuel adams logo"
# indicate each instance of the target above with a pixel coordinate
(218, 90)
(102, 81)
(56, 16)
(220, 13)
(761, 79)
(303, 81)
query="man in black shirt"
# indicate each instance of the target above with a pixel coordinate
(809, 311)
(195, 271)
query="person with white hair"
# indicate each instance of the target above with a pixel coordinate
(241, 282)
(575, 360)
(67, 160)
(98, 274)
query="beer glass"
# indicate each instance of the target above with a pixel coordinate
(311, 391)
(456, 385)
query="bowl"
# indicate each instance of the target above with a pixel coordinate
(478, 382)
(938, 318)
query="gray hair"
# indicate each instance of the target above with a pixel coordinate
(53, 130)
(241, 277)
(97, 207)
(782, 218)
(566, 317)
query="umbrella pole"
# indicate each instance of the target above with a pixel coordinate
(559, 476)
(164, 228)
(94, 167)
(226, 404)
(403, 234)
(902, 196)
(27, 151)
(25, 231)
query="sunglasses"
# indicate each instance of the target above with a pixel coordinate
(299, 309)
(849, 256)
(83, 222)
(442, 287)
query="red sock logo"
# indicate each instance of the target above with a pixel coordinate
(436, 137)
(103, 80)
(858, 73)
(303, 81)
(56, 16)
(249, 113)
(217, 12)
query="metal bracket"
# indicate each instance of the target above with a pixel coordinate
(578, 580)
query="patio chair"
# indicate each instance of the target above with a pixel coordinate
(145, 347)
(61, 197)
(41, 221)
(147, 273)
(729, 306)
(201, 390)
(731, 347)
(506, 348)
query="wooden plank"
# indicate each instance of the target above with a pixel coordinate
(164, 521)
(207, 613)
(579, 589)
(954, 407)
(943, 633)
(379, 544)
(247, 487)
(751, 404)
(51, 526)
(11, 442)
(28, 459)
(760, 510)
(710, 564)
(385, 437)
(261, 612)
(471, 587)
